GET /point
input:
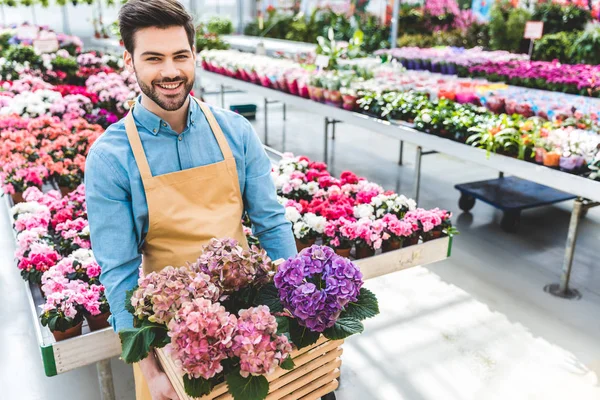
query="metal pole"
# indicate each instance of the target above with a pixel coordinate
(240, 16)
(105, 380)
(65, 17)
(401, 152)
(418, 174)
(333, 130)
(394, 32)
(570, 250)
(562, 289)
(284, 112)
(501, 174)
(33, 14)
(222, 96)
(266, 122)
(326, 143)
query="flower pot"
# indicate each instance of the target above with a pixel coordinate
(303, 90)
(343, 252)
(64, 190)
(205, 65)
(292, 85)
(349, 102)
(390, 245)
(572, 163)
(410, 241)
(315, 93)
(69, 333)
(326, 95)
(335, 97)
(551, 159)
(539, 155)
(97, 322)
(364, 252)
(432, 235)
(301, 245)
(18, 197)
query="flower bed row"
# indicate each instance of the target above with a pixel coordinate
(568, 141)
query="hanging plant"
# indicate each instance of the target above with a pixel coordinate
(27, 3)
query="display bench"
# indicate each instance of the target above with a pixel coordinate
(586, 190)
(100, 346)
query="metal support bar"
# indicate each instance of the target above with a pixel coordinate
(501, 174)
(266, 122)
(326, 143)
(222, 96)
(284, 112)
(401, 152)
(418, 173)
(105, 380)
(562, 289)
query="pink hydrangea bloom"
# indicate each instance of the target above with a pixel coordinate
(201, 337)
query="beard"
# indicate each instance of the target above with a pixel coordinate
(167, 102)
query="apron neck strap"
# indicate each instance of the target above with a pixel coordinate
(216, 129)
(136, 146)
(138, 149)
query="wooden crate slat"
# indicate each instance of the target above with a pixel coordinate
(307, 384)
(397, 260)
(322, 391)
(299, 371)
(313, 375)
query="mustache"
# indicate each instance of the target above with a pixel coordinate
(170, 80)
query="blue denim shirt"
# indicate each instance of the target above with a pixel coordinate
(116, 201)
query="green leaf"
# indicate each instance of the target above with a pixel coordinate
(196, 387)
(268, 295)
(343, 328)
(288, 363)
(283, 325)
(250, 388)
(366, 306)
(136, 342)
(302, 336)
(128, 305)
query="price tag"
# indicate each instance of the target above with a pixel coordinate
(533, 30)
(322, 61)
(45, 45)
(27, 32)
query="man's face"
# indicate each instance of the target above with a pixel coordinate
(164, 65)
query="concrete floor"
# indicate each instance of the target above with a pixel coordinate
(434, 339)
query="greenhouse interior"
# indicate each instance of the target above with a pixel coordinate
(300, 200)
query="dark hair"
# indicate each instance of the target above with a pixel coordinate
(140, 14)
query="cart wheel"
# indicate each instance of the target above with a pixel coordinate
(328, 396)
(466, 202)
(510, 221)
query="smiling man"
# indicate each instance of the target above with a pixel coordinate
(173, 173)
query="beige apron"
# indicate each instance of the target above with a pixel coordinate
(185, 210)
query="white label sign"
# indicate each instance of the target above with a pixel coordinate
(322, 61)
(45, 45)
(533, 29)
(27, 32)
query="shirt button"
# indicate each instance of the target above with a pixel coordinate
(164, 124)
(180, 138)
(154, 130)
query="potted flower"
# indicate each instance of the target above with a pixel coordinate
(392, 203)
(334, 85)
(62, 314)
(395, 232)
(315, 88)
(349, 98)
(369, 237)
(17, 177)
(40, 257)
(340, 235)
(307, 229)
(72, 235)
(96, 308)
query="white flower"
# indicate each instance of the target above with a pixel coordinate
(426, 118)
(83, 255)
(300, 229)
(315, 222)
(363, 211)
(312, 187)
(292, 214)
(289, 169)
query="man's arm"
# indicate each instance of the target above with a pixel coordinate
(260, 200)
(113, 236)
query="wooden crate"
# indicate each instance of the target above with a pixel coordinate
(315, 374)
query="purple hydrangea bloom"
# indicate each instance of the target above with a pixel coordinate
(316, 285)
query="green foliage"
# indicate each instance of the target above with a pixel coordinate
(137, 342)
(23, 54)
(197, 387)
(586, 49)
(250, 388)
(507, 25)
(559, 18)
(67, 65)
(302, 336)
(219, 26)
(343, 328)
(556, 46)
(366, 306)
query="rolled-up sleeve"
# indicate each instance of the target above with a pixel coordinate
(269, 224)
(113, 235)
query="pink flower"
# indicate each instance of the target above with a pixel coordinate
(257, 344)
(201, 335)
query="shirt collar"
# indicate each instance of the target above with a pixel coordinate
(154, 123)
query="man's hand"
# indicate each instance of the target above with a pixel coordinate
(158, 383)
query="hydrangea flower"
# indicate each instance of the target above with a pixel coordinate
(257, 344)
(161, 294)
(316, 285)
(201, 335)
